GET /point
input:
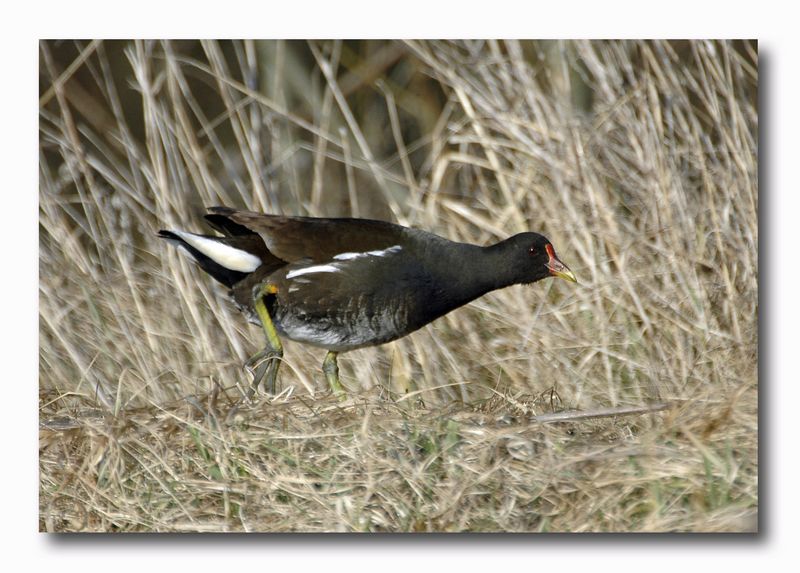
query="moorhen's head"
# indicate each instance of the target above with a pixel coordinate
(531, 257)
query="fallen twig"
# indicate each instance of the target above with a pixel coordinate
(573, 415)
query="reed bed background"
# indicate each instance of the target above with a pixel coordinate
(637, 159)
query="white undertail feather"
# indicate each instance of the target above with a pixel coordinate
(222, 254)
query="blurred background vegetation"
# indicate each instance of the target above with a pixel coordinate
(638, 159)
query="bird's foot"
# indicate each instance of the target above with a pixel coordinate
(331, 370)
(263, 366)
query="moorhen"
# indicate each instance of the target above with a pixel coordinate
(342, 284)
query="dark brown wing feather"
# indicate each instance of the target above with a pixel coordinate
(315, 239)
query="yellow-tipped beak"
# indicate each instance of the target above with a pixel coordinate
(564, 273)
(559, 269)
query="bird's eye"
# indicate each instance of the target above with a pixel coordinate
(532, 250)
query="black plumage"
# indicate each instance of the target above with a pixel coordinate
(342, 284)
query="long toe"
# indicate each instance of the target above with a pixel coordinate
(256, 358)
(258, 375)
(263, 366)
(330, 367)
(271, 378)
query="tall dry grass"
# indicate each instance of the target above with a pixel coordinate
(637, 159)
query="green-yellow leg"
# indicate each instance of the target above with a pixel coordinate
(331, 370)
(270, 357)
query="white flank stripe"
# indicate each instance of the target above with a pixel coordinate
(347, 256)
(314, 269)
(383, 253)
(222, 254)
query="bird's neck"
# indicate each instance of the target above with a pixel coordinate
(471, 271)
